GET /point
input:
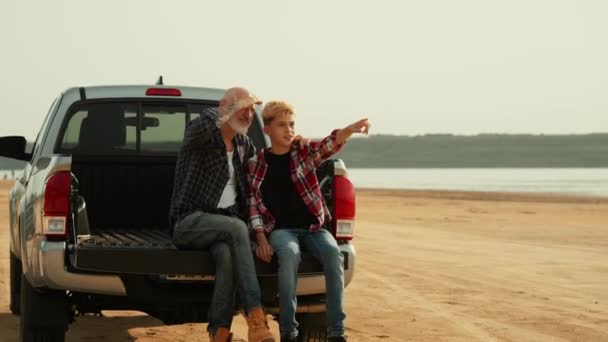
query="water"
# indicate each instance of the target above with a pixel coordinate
(575, 181)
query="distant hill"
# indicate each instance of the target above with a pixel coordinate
(456, 151)
(483, 150)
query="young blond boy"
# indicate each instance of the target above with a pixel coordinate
(287, 211)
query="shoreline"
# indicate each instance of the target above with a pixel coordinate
(467, 195)
(494, 196)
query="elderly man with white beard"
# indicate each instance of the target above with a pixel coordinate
(208, 209)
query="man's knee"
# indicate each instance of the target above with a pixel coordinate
(237, 229)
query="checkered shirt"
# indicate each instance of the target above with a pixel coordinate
(201, 172)
(302, 166)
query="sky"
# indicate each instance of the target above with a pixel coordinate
(411, 67)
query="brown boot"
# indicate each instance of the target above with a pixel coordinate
(259, 331)
(221, 335)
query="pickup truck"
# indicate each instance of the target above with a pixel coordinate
(89, 226)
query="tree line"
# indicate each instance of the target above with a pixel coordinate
(452, 151)
(483, 150)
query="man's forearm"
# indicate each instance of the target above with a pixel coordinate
(197, 134)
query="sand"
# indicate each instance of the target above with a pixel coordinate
(435, 266)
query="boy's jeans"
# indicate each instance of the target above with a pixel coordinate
(286, 244)
(227, 239)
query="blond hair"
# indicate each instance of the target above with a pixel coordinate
(272, 109)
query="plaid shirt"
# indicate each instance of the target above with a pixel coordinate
(201, 172)
(302, 166)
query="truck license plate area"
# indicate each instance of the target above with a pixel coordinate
(187, 277)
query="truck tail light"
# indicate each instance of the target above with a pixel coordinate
(163, 92)
(344, 208)
(56, 206)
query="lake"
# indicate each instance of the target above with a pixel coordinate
(576, 181)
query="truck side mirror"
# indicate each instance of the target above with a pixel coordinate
(14, 147)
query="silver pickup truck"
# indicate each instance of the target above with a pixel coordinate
(89, 217)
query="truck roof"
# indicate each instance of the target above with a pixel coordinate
(139, 91)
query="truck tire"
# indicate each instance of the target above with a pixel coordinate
(312, 327)
(44, 314)
(15, 270)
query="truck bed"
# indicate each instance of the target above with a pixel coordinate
(152, 252)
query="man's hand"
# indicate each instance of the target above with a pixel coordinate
(264, 250)
(232, 106)
(361, 126)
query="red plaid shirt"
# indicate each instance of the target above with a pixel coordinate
(302, 166)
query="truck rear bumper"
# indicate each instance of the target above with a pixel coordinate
(52, 273)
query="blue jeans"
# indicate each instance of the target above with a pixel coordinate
(227, 239)
(322, 245)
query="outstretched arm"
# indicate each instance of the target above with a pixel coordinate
(319, 152)
(361, 126)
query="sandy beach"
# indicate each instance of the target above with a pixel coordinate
(435, 266)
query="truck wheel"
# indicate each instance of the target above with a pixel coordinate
(44, 314)
(313, 327)
(15, 270)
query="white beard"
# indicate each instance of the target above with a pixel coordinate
(237, 126)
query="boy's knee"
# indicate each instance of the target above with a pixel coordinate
(333, 252)
(290, 254)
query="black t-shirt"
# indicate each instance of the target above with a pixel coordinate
(280, 196)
